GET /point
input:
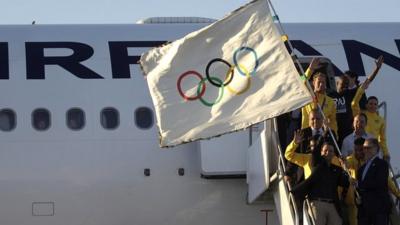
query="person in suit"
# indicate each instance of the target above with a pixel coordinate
(315, 129)
(373, 187)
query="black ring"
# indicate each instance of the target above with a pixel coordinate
(209, 77)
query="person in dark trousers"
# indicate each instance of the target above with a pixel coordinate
(321, 187)
(372, 180)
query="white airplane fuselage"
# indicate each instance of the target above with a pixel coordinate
(96, 175)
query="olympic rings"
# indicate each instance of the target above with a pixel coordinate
(220, 93)
(199, 94)
(248, 78)
(228, 76)
(236, 62)
(215, 81)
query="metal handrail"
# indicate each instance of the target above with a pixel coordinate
(391, 171)
(384, 105)
(282, 170)
(308, 85)
(393, 176)
(287, 187)
(307, 209)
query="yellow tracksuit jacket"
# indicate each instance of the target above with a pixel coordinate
(303, 160)
(375, 123)
(328, 107)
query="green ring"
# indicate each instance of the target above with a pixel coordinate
(220, 94)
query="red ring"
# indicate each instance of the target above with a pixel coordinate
(178, 85)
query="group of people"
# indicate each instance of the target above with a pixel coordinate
(339, 159)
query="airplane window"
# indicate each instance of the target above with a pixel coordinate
(75, 119)
(144, 117)
(7, 120)
(109, 118)
(41, 119)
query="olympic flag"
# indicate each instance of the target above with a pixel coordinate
(225, 77)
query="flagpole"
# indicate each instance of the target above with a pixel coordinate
(302, 72)
(307, 83)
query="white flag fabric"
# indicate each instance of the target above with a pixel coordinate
(225, 77)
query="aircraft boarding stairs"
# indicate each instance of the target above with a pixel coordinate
(395, 216)
(265, 175)
(263, 165)
(253, 154)
(265, 178)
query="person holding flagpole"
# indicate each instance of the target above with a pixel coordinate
(326, 103)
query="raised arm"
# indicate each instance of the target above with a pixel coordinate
(291, 155)
(312, 67)
(355, 106)
(378, 65)
(361, 90)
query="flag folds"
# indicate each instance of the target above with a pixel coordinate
(227, 76)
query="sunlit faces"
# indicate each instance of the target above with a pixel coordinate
(372, 105)
(359, 122)
(319, 83)
(327, 151)
(315, 120)
(342, 84)
(370, 149)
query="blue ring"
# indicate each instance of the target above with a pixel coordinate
(235, 61)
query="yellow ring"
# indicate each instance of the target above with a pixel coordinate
(229, 74)
(247, 85)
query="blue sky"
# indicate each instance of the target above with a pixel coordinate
(129, 11)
